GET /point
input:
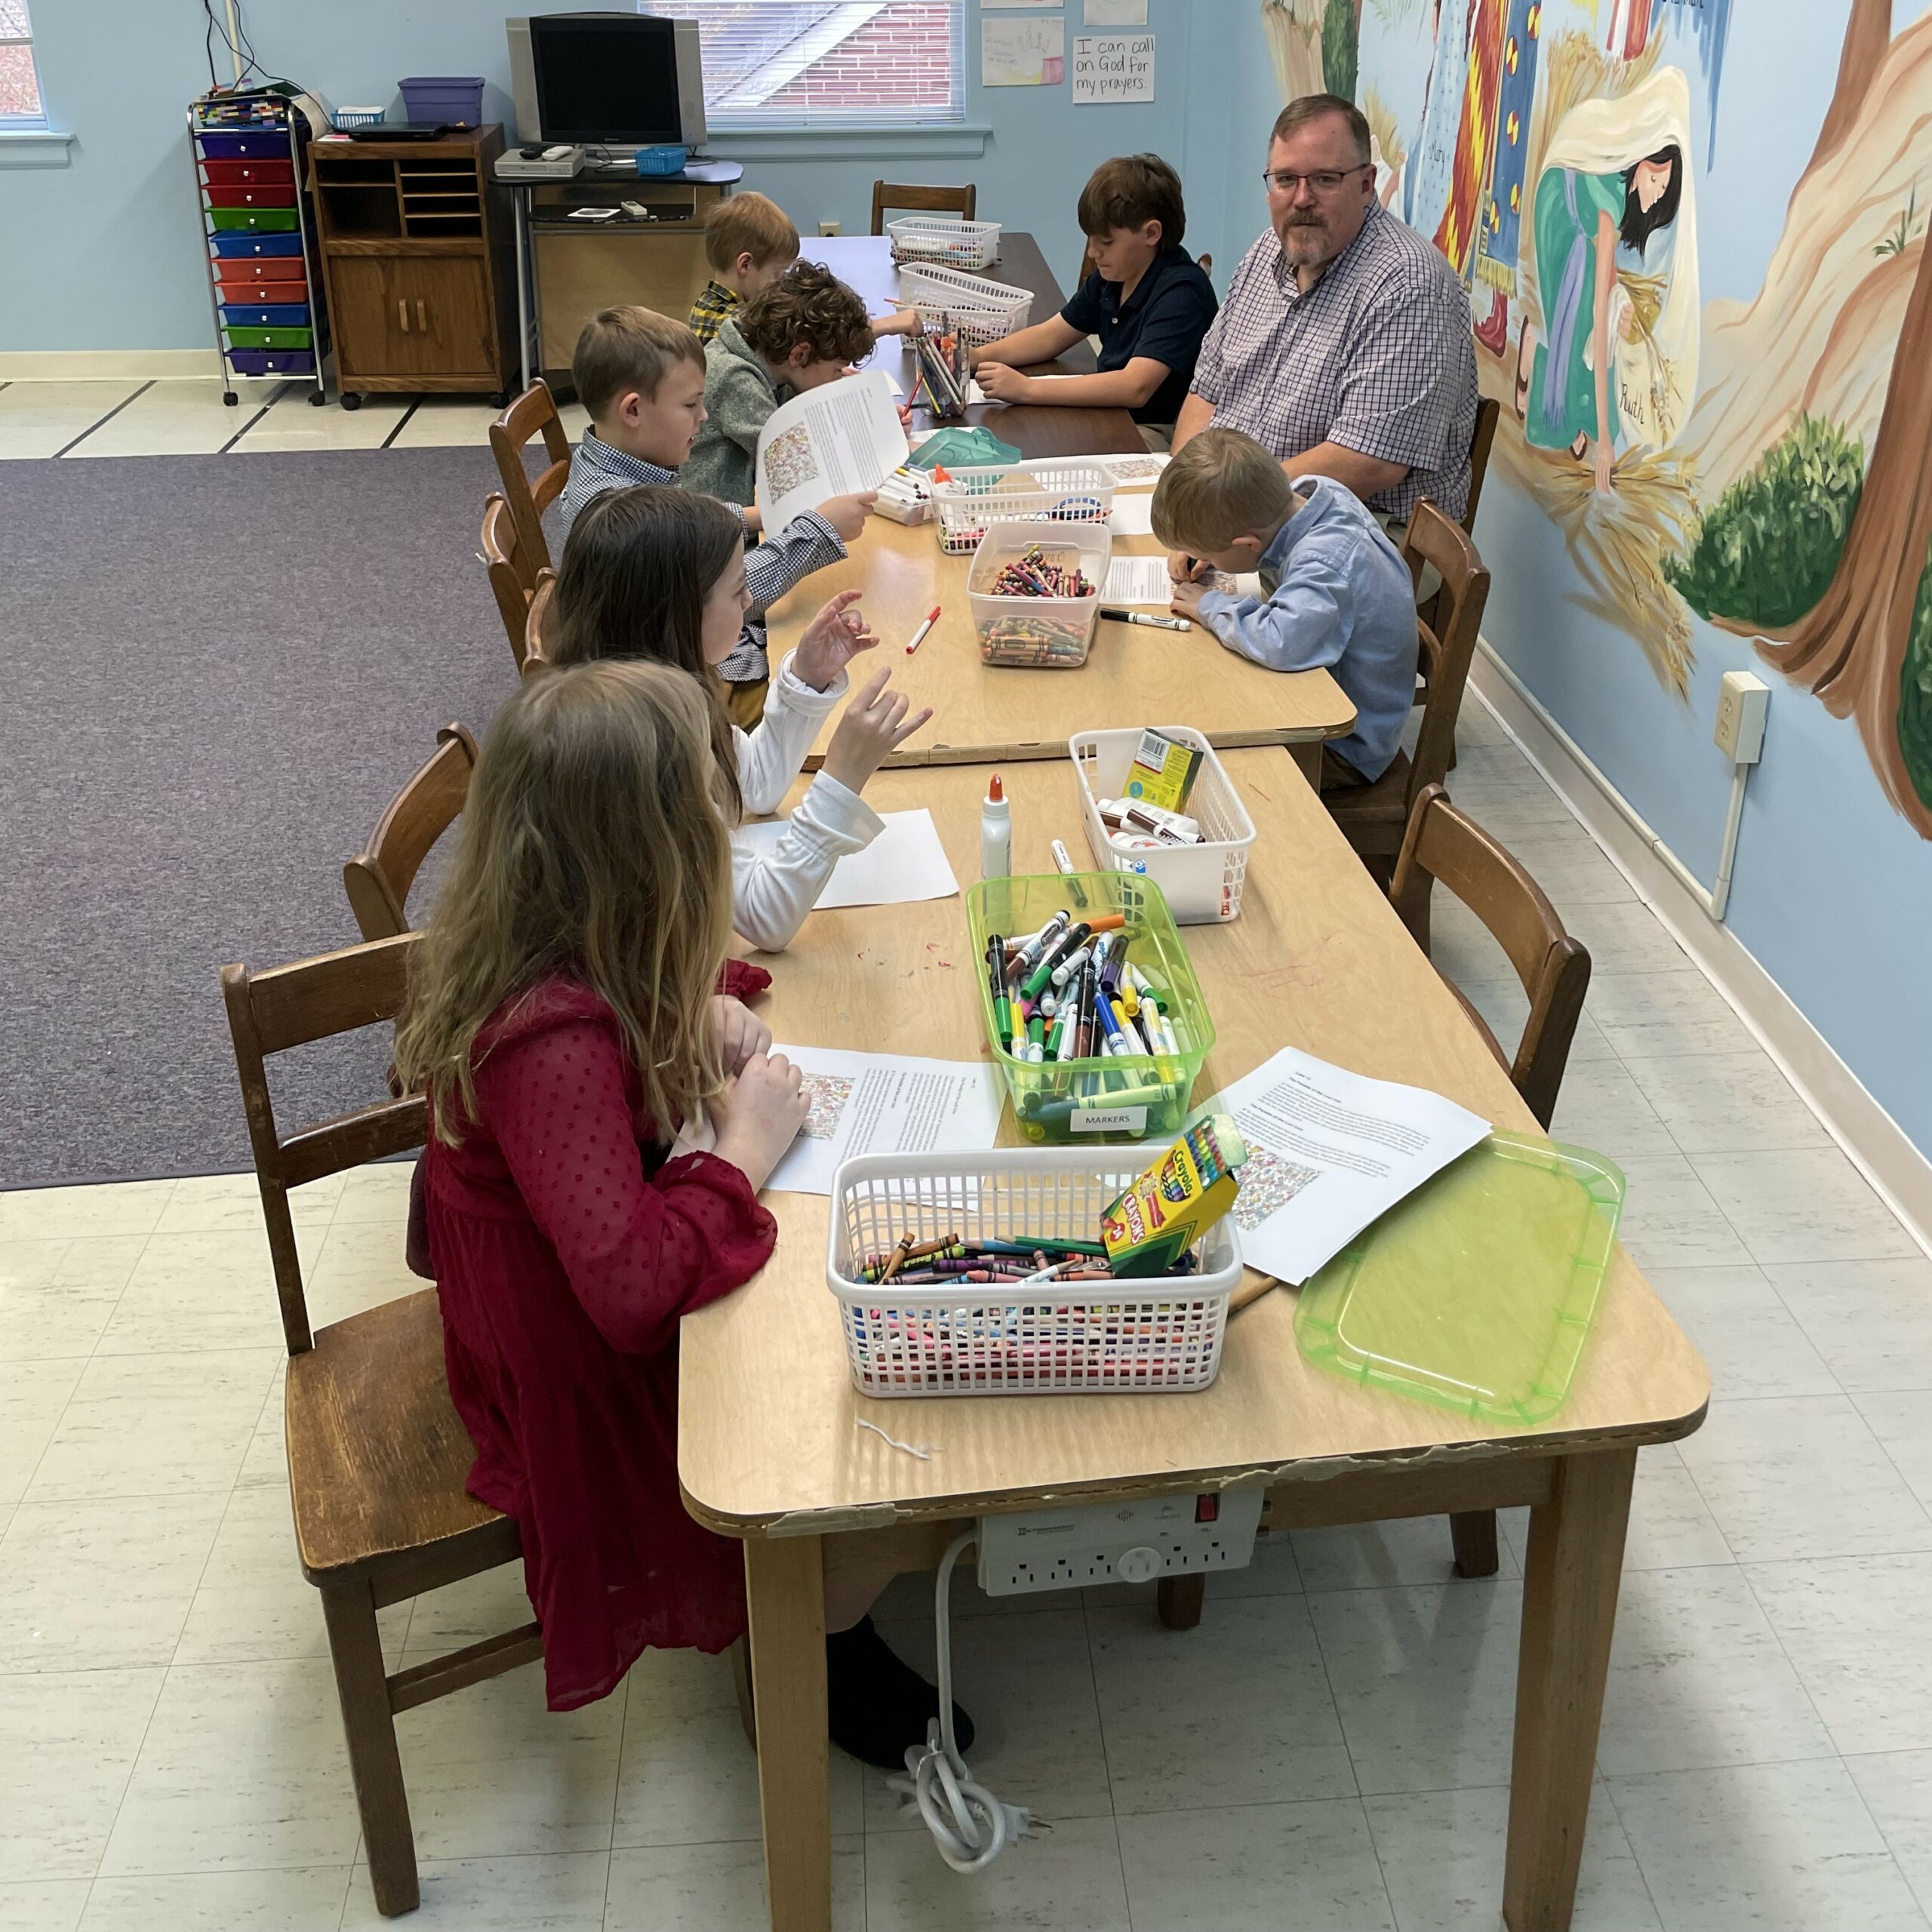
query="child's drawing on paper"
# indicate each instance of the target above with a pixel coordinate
(789, 460)
(825, 1097)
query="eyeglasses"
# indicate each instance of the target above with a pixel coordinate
(1324, 182)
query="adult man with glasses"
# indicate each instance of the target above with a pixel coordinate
(1343, 346)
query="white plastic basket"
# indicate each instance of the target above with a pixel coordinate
(1202, 883)
(948, 299)
(1037, 633)
(975, 497)
(1159, 1334)
(942, 238)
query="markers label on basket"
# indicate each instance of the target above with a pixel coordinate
(1112, 1120)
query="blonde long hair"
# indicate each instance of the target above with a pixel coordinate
(587, 847)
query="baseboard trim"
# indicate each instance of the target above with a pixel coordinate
(98, 365)
(1875, 1143)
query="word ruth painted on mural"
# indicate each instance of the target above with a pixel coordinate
(1112, 67)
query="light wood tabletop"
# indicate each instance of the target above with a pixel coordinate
(769, 1445)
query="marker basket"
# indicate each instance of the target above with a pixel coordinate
(1151, 1333)
(1018, 493)
(950, 302)
(1037, 633)
(939, 238)
(1202, 882)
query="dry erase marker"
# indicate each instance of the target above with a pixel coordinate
(919, 635)
(1145, 617)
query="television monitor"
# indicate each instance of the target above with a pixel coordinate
(607, 80)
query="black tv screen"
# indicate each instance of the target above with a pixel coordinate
(605, 79)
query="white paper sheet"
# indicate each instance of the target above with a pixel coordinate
(1133, 514)
(828, 442)
(1022, 52)
(1137, 580)
(904, 862)
(1110, 69)
(1329, 1151)
(885, 1104)
(1114, 14)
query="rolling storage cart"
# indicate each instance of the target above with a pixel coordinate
(264, 284)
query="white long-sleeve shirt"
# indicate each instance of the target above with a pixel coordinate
(771, 892)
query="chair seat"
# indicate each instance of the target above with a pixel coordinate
(1374, 817)
(377, 1454)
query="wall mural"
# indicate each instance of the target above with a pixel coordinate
(1765, 464)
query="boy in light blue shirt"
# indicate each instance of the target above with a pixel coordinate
(1339, 596)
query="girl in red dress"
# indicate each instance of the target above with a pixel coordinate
(568, 1015)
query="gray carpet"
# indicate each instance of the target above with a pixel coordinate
(217, 671)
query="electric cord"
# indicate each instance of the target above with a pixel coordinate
(970, 1826)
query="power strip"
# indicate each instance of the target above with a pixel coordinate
(1118, 1543)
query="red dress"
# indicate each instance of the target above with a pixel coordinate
(565, 1249)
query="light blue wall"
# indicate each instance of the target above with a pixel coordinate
(102, 254)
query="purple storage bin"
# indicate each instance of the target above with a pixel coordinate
(456, 98)
(273, 361)
(271, 144)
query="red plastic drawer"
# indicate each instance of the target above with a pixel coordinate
(250, 271)
(228, 196)
(234, 173)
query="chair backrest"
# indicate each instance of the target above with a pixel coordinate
(961, 201)
(533, 412)
(290, 1006)
(511, 583)
(1446, 638)
(1443, 843)
(533, 658)
(378, 878)
(1488, 413)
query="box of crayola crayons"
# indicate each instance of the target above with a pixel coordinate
(1151, 1225)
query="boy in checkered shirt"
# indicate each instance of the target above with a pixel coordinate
(749, 241)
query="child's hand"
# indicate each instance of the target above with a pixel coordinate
(847, 514)
(875, 724)
(1184, 569)
(1002, 384)
(740, 1031)
(758, 1115)
(897, 321)
(1185, 601)
(831, 640)
(754, 518)
(905, 416)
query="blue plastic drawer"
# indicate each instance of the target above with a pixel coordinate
(248, 241)
(275, 315)
(273, 361)
(270, 144)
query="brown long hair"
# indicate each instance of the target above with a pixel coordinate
(637, 568)
(587, 848)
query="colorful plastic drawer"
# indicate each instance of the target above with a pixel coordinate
(242, 174)
(236, 246)
(267, 316)
(268, 144)
(276, 194)
(271, 287)
(266, 220)
(273, 361)
(249, 338)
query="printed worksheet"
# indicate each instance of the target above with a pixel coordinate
(827, 442)
(1133, 514)
(1137, 580)
(904, 862)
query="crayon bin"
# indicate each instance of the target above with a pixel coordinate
(1132, 1096)
(1037, 633)
(1158, 1333)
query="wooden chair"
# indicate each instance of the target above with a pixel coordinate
(511, 582)
(377, 1454)
(533, 659)
(1374, 817)
(533, 412)
(960, 201)
(378, 878)
(1442, 843)
(1489, 412)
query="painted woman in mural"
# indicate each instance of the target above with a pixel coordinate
(1616, 274)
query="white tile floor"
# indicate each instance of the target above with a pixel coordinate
(1329, 1751)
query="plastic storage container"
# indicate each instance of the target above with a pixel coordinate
(971, 499)
(1132, 1097)
(346, 117)
(939, 238)
(248, 337)
(1156, 1333)
(294, 315)
(1478, 1291)
(456, 98)
(269, 144)
(248, 174)
(1037, 633)
(950, 299)
(666, 158)
(1202, 882)
(273, 361)
(233, 244)
(267, 221)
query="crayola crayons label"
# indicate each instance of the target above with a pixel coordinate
(1167, 1209)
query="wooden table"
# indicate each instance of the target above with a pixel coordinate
(769, 1450)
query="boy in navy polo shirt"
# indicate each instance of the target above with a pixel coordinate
(1147, 299)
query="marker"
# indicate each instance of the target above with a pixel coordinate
(1065, 866)
(1068, 943)
(1002, 1006)
(1036, 1039)
(1152, 623)
(1074, 964)
(919, 635)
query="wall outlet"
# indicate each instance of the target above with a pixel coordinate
(1742, 704)
(1123, 1542)
(832, 228)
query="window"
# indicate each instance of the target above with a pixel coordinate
(790, 63)
(19, 83)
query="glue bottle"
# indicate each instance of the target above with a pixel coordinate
(995, 832)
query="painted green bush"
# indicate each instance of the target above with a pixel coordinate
(1766, 549)
(1916, 690)
(1339, 49)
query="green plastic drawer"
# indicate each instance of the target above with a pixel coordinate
(262, 220)
(253, 338)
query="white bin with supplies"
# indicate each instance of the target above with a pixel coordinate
(977, 495)
(943, 238)
(1158, 1333)
(947, 298)
(1037, 633)
(1202, 883)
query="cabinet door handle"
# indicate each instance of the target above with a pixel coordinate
(422, 319)
(402, 314)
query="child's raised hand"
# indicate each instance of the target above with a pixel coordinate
(758, 1115)
(847, 514)
(832, 639)
(874, 725)
(740, 1031)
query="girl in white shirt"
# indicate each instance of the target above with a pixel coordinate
(658, 572)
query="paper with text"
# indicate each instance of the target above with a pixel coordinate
(827, 442)
(1111, 68)
(1138, 580)
(906, 862)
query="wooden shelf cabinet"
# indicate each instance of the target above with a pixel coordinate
(416, 243)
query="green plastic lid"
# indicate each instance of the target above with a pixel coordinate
(1478, 1292)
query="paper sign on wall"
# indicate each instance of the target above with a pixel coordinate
(1022, 52)
(1110, 12)
(1111, 68)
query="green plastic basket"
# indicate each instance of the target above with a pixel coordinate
(1478, 1291)
(1137, 1096)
